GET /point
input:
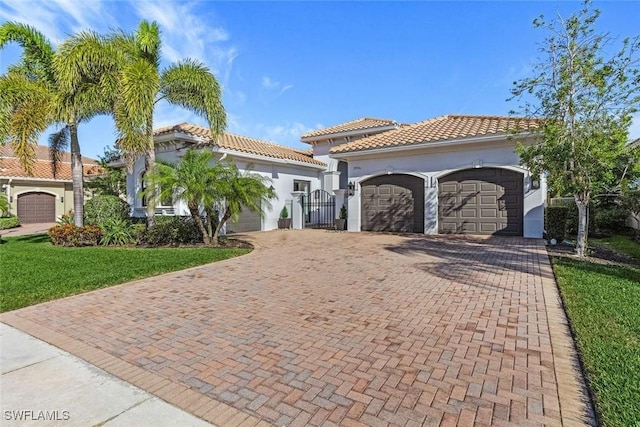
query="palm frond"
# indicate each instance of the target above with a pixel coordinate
(58, 142)
(37, 49)
(192, 86)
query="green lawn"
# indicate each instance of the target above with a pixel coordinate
(603, 305)
(32, 270)
(621, 244)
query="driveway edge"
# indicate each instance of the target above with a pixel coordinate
(173, 393)
(575, 404)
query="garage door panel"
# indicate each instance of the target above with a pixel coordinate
(495, 208)
(36, 207)
(248, 221)
(393, 203)
(489, 213)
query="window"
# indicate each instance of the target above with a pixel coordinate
(166, 202)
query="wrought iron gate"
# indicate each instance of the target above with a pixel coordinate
(319, 208)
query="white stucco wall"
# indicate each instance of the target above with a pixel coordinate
(430, 164)
(281, 176)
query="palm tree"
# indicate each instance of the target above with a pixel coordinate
(188, 84)
(238, 191)
(32, 97)
(4, 204)
(203, 187)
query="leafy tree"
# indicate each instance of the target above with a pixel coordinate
(32, 98)
(142, 85)
(114, 180)
(204, 188)
(586, 102)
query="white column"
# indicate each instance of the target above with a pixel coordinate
(297, 221)
(341, 200)
(353, 222)
(331, 180)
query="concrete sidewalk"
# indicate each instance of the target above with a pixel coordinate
(44, 386)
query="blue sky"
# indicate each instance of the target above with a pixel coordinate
(289, 67)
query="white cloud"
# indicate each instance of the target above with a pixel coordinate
(287, 133)
(57, 19)
(269, 84)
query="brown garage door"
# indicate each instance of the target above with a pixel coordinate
(393, 203)
(481, 201)
(36, 207)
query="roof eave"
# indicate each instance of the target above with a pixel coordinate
(378, 129)
(428, 144)
(267, 159)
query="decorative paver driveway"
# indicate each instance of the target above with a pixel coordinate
(324, 328)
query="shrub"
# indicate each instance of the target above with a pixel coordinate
(556, 222)
(284, 213)
(101, 209)
(70, 235)
(9, 222)
(343, 212)
(117, 232)
(67, 218)
(612, 219)
(171, 231)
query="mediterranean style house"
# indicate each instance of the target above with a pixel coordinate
(40, 196)
(451, 174)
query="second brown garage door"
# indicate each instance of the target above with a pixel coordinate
(393, 203)
(481, 201)
(36, 207)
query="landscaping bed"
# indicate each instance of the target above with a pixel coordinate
(35, 271)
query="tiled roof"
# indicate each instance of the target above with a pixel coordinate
(242, 143)
(442, 128)
(354, 125)
(11, 167)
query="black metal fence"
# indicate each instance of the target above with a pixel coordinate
(319, 208)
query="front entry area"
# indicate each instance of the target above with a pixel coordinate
(481, 201)
(393, 203)
(36, 207)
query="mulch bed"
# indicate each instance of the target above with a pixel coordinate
(595, 254)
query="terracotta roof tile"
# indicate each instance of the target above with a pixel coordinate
(354, 125)
(438, 129)
(10, 167)
(242, 143)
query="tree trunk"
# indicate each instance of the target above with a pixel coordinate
(206, 237)
(149, 162)
(222, 221)
(582, 201)
(77, 176)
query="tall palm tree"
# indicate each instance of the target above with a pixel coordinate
(32, 97)
(188, 84)
(204, 187)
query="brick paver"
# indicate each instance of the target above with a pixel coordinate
(324, 328)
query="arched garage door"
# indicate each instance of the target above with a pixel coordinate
(36, 207)
(393, 203)
(481, 201)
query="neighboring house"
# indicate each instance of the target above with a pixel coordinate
(450, 174)
(41, 196)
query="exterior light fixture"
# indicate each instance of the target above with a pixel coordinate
(61, 199)
(351, 187)
(535, 182)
